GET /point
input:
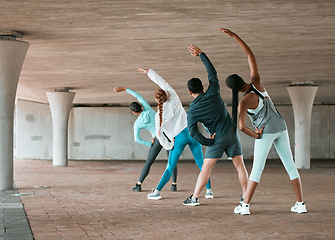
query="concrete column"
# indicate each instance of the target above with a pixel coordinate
(302, 98)
(60, 105)
(12, 55)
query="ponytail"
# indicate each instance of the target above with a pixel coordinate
(234, 107)
(161, 98)
(236, 83)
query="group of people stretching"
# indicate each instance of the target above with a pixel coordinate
(172, 128)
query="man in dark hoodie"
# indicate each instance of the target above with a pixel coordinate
(209, 109)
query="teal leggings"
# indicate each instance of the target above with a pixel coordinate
(262, 147)
(180, 142)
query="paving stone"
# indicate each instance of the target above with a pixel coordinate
(88, 200)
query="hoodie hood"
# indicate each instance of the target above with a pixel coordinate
(144, 117)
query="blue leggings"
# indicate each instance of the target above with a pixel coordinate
(180, 141)
(261, 151)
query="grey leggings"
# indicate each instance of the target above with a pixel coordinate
(153, 153)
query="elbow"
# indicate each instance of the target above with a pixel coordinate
(192, 134)
(242, 127)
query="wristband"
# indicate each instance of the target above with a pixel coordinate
(259, 136)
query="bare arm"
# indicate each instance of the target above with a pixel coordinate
(243, 106)
(254, 75)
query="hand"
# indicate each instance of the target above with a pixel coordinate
(227, 31)
(152, 141)
(142, 70)
(212, 136)
(119, 89)
(260, 131)
(195, 51)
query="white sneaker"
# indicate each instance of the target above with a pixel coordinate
(242, 209)
(209, 194)
(154, 195)
(299, 208)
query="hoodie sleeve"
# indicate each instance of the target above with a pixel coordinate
(139, 97)
(164, 85)
(214, 86)
(192, 124)
(137, 138)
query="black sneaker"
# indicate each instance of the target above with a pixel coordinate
(174, 188)
(191, 202)
(137, 188)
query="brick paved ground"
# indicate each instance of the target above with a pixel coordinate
(93, 200)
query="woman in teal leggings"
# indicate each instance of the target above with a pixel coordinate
(180, 142)
(270, 128)
(172, 131)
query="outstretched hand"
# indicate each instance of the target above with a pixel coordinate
(119, 89)
(195, 51)
(142, 70)
(227, 31)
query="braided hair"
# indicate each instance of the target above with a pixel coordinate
(236, 83)
(161, 98)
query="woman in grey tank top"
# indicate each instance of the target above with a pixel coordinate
(270, 128)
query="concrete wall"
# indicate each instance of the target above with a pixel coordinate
(107, 133)
(33, 130)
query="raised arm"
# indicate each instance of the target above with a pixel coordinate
(160, 82)
(254, 75)
(156, 78)
(138, 96)
(214, 86)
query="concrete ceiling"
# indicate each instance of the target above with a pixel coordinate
(94, 45)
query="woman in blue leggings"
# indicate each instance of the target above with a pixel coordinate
(270, 128)
(172, 131)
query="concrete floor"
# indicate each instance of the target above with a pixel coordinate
(93, 200)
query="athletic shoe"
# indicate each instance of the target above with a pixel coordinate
(174, 188)
(241, 200)
(209, 194)
(137, 188)
(299, 208)
(191, 202)
(154, 195)
(242, 209)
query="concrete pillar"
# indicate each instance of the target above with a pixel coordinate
(60, 105)
(302, 98)
(12, 55)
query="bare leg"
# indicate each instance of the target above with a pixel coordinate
(204, 176)
(296, 183)
(250, 191)
(242, 172)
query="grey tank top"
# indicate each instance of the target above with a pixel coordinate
(267, 116)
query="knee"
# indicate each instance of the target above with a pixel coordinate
(255, 175)
(208, 165)
(170, 168)
(293, 173)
